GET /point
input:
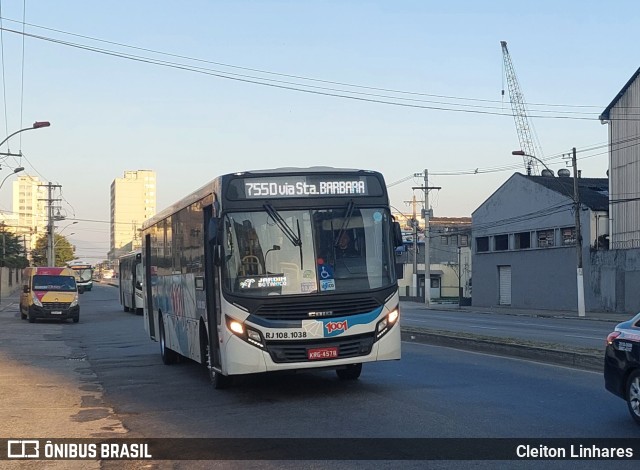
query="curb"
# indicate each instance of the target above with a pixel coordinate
(587, 359)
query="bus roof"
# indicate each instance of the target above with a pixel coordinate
(207, 189)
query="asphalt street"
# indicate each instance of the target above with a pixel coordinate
(556, 337)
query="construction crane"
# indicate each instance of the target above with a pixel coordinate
(524, 129)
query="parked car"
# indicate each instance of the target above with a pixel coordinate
(622, 364)
(49, 293)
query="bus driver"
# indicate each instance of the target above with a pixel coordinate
(345, 248)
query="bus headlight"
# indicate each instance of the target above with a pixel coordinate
(235, 327)
(387, 322)
(245, 333)
(254, 337)
(74, 302)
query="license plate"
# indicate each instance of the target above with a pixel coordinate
(322, 353)
(56, 313)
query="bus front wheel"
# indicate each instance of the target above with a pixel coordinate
(218, 379)
(351, 372)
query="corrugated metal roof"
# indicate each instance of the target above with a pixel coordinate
(593, 192)
(605, 114)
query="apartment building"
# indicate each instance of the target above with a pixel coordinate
(133, 200)
(29, 208)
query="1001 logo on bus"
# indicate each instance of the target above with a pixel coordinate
(336, 326)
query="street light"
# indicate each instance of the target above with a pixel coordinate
(36, 125)
(52, 262)
(63, 238)
(522, 154)
(16, 170)
(66, 227)
(576, 211)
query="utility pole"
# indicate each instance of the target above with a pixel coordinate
(4, 252)
(459, 273)
(576, 200)
(426, 214)
(51, 218)
(414, 225)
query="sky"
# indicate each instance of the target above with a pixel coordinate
(193, 90)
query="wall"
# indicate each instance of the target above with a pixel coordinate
(624, 170)
(614, 279)
(11, 281)
(541, 278)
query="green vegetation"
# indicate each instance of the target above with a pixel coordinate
(65, 251)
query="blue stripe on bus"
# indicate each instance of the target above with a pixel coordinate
(336, 326)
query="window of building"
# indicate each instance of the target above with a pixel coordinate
(464, 240)
(501, 242)
(568, 236)
(522, 240)
(444, 240)
(546, 238)
(482, 244)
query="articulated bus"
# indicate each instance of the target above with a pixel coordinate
(130, 282)
(247, 274)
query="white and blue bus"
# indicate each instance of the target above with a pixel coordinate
(247, 274)
(130, 276)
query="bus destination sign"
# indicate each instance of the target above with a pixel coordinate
(304, 186)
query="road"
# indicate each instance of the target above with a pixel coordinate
(104, 378)
(572, 332)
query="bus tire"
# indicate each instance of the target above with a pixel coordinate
(76, 319)
(351, 372)
(125, 308)
(169, 356)
(31, 318)
(218, 380)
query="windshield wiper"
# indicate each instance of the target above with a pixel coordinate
(282, 225)
(345, 222)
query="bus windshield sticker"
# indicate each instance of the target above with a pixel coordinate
(261, 282)
(307, 287)
(327, 284)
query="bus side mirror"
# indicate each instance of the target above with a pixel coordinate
(26, 289)
(80, 289)
(397, 234)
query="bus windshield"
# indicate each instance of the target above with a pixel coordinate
(294, 252)
(85, 273)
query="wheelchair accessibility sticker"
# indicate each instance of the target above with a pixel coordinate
(325, 275)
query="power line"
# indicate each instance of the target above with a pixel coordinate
(24, 13)
(280, 84)
(4, 80)
(297, 77)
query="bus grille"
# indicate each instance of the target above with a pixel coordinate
(324, 308)
(296, 351)
(56, 305)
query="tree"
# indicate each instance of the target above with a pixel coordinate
(65, 251)
(11, 250)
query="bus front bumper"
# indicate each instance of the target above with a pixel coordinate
(245, 358)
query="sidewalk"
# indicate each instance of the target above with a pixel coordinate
(10, 301)
(504, 310)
